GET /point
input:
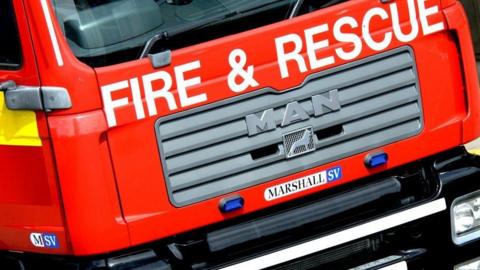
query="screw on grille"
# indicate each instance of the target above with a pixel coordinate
(299, 142)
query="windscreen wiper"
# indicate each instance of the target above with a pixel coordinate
(165, 35)
(296, 9)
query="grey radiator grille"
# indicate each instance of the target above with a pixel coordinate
(207, 152)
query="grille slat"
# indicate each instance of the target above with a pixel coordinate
(207, 152)
(237, 128)
(246, 144)
(221, 114)
(285, 167)
(245, 162)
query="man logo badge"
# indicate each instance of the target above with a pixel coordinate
(299, 142)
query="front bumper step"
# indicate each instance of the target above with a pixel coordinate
(401, 212)
(342, 237)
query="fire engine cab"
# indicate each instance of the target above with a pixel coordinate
(238, 134)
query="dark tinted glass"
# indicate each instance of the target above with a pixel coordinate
(106, 32)
(10, 49)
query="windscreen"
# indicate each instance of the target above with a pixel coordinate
(106, 32)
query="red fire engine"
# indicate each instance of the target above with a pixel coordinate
(232, 134)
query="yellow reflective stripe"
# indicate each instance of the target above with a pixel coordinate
(474, 152)
(18, 127)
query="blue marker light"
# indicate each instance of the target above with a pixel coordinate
(231, 204)
(376, 160)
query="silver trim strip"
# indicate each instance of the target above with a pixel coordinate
(397, 266)
(342, 237)
(51, 30)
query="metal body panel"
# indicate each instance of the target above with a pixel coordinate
(110, 192)
(146, 205)
(30, 201)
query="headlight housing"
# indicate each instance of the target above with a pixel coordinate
(465, 218)
(470, 265)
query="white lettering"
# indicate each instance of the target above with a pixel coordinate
(109, 104)
(424, 14)
(183, 84)
(347, 37)
(137, 98)
(313, 46)
(295, 55)
(151, 95)
(295, 186)
(378, 27)
(377, 46)
(397, 28)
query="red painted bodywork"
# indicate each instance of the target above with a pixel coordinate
(101, 189)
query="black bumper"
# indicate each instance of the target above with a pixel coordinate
(422, 243)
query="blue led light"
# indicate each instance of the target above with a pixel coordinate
(376, 160)
(231, 204)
